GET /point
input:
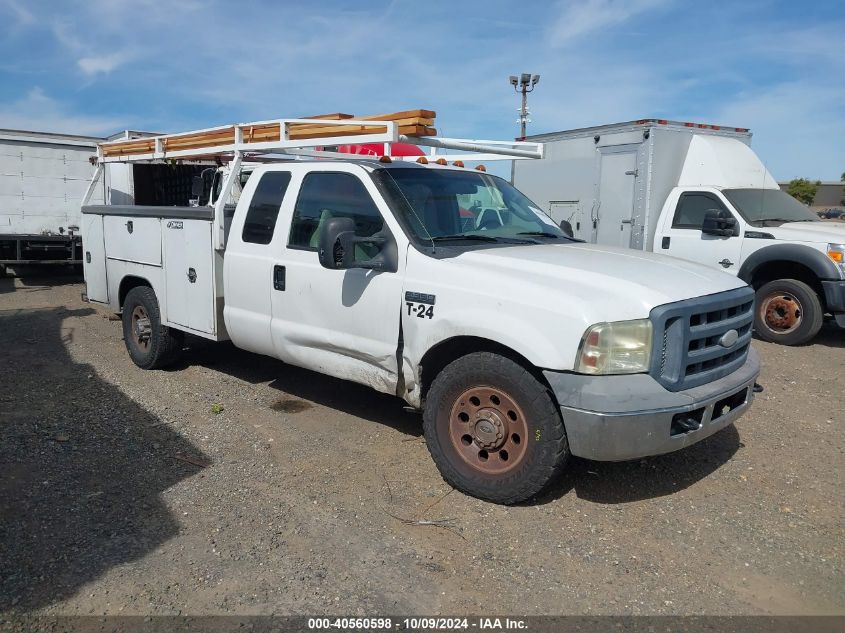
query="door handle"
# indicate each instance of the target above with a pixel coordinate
(279, 277)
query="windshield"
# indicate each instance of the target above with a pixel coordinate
(447, 205)
(764, 207)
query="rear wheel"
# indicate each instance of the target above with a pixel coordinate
(150, 344)
(493, 429)
(788, 312)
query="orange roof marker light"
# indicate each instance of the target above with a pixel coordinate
(458, 163)
(481, 168)
(422, 160)
(385, 159)
(440, 161)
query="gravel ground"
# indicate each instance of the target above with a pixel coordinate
(123, 492)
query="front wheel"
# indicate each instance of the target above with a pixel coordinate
(788, 312)
(493, 429)
(150, 344)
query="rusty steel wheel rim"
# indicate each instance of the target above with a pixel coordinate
(781, 312)
(488, 430)
(141, 328)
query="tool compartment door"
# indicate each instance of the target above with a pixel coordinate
(189, 274)
(94, 258)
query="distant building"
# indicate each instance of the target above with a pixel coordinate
(829, 194)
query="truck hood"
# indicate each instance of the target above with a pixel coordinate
(611, 283)
(823, 232)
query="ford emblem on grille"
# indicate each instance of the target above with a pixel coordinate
(729, 339)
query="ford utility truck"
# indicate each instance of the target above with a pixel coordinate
(700, 193)
(520, 345)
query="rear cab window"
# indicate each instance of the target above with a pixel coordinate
(263, 211)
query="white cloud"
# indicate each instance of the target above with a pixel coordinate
(19, 12)
(103, 64)
(37, 111)
(578, 18)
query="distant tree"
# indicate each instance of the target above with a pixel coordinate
(802, 189)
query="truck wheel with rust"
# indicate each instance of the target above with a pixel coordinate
(788, 312)
(150, 344)
(494, 429)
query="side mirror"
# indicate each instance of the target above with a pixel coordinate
(197, 186)
(718, 222)
(337, 242)
(566, 227)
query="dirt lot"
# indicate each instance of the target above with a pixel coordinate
(121, 492)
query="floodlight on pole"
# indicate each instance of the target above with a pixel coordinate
(524, 84)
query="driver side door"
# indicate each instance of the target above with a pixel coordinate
(344, 323)
(682, 236)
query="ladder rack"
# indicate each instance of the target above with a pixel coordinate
(308, 137)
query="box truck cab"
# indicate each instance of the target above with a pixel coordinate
(520, 345)
(697, 192)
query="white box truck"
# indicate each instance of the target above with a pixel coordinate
(520, 345)
(42, 179)
(697, 192)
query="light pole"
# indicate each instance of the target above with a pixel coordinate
(525, 83)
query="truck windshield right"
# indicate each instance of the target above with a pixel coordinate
(451, 205)
(768, 207)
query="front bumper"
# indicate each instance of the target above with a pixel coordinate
(614, 418)
(834, 298)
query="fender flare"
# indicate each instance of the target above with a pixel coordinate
(815, 260)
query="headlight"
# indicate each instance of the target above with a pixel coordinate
(623, 347)
(837, 253)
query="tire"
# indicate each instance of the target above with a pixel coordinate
(493, 429)
(150, 344)
(788, 312)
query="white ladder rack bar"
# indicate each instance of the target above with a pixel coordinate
(486, 150)
(482, 147)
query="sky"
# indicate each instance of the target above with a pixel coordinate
(99, 66)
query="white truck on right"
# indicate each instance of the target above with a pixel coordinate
(698, 192)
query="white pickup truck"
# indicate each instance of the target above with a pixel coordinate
(698, 192)
(520, 345)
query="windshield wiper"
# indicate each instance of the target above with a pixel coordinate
(459, 236)
(782, 220)
(541, 234)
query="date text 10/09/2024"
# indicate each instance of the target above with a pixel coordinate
(413, 624)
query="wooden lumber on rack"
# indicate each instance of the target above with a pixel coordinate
(409, 123)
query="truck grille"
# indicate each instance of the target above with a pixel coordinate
(691, 350)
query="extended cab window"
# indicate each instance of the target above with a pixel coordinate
(264, 207)
(326, 195)
(692, 207)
